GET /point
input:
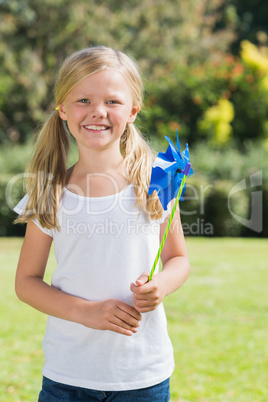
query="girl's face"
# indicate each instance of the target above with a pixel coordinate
(98, 109)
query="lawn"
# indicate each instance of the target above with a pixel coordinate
(218, 324)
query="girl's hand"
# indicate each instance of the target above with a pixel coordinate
(112, 315)
(147, 295)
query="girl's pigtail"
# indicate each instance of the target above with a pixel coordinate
(46, 174)
(138, 159)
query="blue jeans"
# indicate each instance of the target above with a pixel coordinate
(56, 392)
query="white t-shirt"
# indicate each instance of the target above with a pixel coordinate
(103, 246)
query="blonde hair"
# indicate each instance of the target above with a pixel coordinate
(48, 168)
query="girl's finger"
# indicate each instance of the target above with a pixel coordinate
(120, 330)
(126, 308)
(128, 319)
(123, 324)
(142, 279)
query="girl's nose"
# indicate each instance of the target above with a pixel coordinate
(98, 112)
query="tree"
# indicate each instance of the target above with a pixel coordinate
(37, 34)
(249, 20)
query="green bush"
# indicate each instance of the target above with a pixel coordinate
(13, 162)
(205, 209)
(223, 102)
(7, 216)
(216, 173)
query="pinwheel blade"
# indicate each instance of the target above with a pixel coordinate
(167, 172)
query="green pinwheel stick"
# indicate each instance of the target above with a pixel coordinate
(185, 172)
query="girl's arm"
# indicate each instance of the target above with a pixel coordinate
(176, 268)
(30, 287)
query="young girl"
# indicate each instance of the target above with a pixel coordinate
(106, 336)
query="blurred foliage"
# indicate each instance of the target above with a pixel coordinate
(35, 35)
(249, 17)
(217, 121)
(182, 48)
(253, 57)
(217, 171)
(220, 101)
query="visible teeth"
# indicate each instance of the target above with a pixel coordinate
(97, 128)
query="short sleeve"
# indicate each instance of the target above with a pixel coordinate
(20, 207)
(163, 217)
(165, 214)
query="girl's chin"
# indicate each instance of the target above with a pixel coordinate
(98, 142)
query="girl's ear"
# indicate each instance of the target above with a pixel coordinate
(133, 114)
(62, 112)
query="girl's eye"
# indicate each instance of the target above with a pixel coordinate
(112, 102)
(84, 101)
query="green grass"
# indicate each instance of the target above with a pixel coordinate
(217, 321)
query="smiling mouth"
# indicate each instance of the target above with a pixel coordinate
(96, 128)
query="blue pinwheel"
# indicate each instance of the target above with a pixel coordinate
(168, 171)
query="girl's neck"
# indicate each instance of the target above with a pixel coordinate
(99, 165)
(97, 173)
(99, 161)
